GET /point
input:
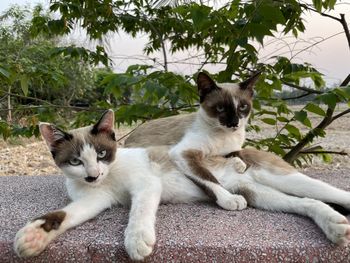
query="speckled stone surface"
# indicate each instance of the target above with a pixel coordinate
(185, 233)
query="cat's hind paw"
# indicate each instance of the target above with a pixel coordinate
(31, 240)
(232, 202)
(139, 242)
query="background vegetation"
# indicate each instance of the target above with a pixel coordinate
(43, 79)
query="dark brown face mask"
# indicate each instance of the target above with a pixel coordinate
(220, 103)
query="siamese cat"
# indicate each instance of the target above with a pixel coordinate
(218, 129)
(98, 175)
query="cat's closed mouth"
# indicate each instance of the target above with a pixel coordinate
(91, 179)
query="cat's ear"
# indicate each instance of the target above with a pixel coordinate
(205, 85)
(105, 124)
(248, 84)
(53, 135)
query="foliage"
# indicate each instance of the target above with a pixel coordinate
(33, 79)
(227, 34)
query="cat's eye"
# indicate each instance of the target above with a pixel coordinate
(75, 161)
(219, 108)
(243, 107)
(101, 154)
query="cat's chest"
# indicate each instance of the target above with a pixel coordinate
(224, 144)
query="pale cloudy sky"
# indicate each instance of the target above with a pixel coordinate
(331, 57)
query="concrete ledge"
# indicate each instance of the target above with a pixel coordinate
(185, 233)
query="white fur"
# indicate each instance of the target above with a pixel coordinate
(134, 179)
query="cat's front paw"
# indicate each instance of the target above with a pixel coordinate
(239, 165)
(232, 202)
(31, 240)
(338, 230)
(139, 242)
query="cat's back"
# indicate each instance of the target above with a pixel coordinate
(164, 131)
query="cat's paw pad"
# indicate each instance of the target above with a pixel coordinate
(232, 202)
(31, 240)
(339, 233)
(139, 242)
(239, 165)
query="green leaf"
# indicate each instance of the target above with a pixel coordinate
(317, 4)
(311, 107)
(301, 116)
(329, 99)
(293, 130)
(24, 84)
(5, 130)
(269, 121)
(272, 13)
(282, 119)
(326, 157)
(199, 14)
(4, 73)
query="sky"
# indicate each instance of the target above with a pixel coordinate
(331, 57)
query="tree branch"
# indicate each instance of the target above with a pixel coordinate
(27, 97)
(314, 91)
(327, 120)
(321, 13)
(323, 152)
(346, 28)
(340, 114)
(297, 97)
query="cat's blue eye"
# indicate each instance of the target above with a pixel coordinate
(75, 161)
(243, 107)
(101, 154)
(220, 108)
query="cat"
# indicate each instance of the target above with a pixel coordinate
(98, 175)
(218, 129)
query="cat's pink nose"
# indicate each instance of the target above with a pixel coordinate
(93, 172)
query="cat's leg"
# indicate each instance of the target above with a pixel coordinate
(191, 163)
(335, 226)
(140, 235)
(34, 237)
(304, 186)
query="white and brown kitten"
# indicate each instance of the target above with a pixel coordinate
(99, 176)
(218, 129)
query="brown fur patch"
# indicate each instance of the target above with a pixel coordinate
(266, 160)
(164, 131)
(104, 141)
(52, 220)
(248, 194)
(194, 159)
(160, 155)
(66, 149)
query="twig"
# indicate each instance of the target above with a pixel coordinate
(323, 152)
(321, 13)
(49, 106)
(26, 97)
(346, 28)
(130, 132)
(302, 88)
(297, 97)
(340, 114)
